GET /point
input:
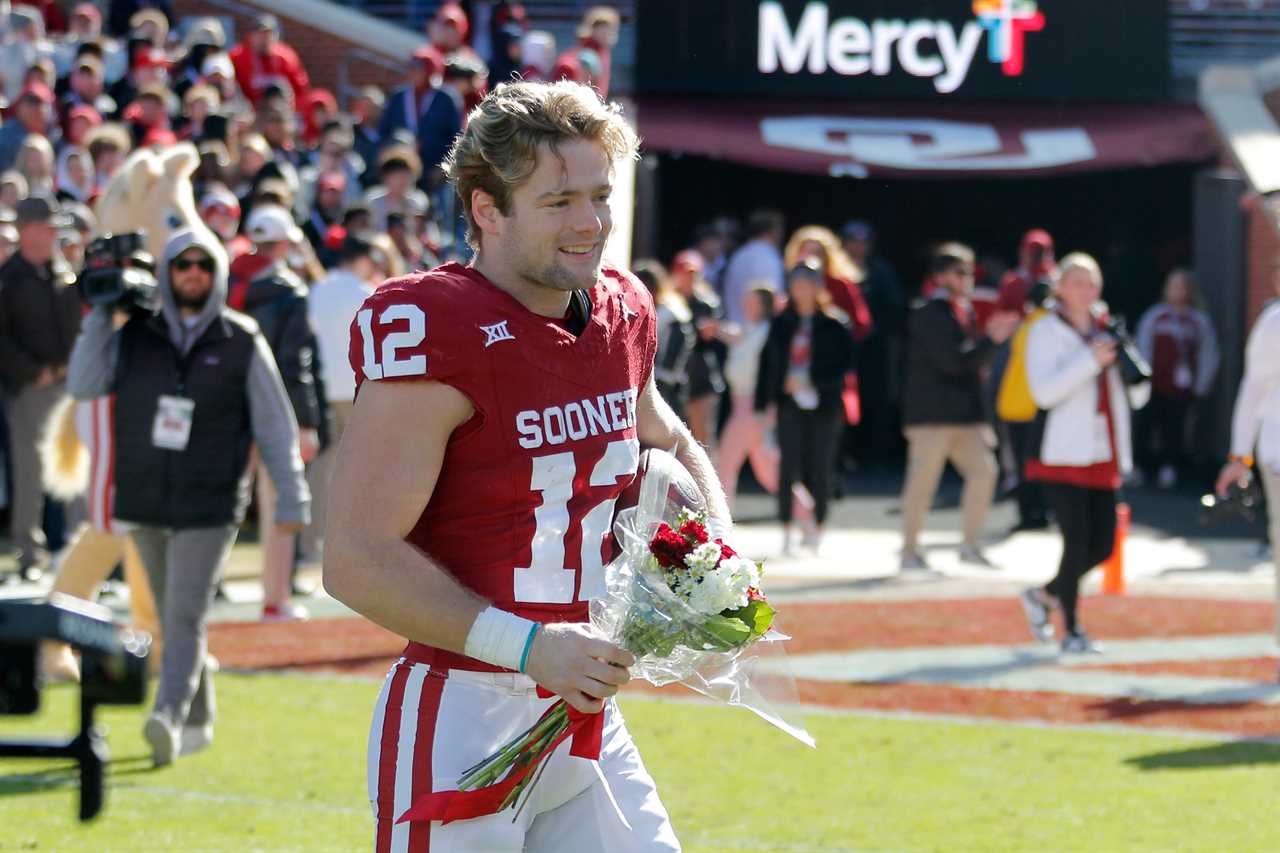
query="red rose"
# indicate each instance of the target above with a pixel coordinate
(725, 551)
(669, 547)
(694, 532)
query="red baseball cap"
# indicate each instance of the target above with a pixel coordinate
(151, 58)
(331, 181)
(431, 60)
(689, 259)
(39, 91)
(451, 13)
(159, 136)
(85, 112)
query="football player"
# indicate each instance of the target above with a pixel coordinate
(500, 411)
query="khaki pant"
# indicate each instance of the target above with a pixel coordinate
(968, 448)
(1271, 483)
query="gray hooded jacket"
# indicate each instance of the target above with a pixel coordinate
(94, 359)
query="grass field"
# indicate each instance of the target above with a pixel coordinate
(287, 773)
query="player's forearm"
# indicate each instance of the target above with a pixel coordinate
(394, 585)
(695, 458)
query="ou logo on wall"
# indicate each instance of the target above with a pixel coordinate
(923, 145)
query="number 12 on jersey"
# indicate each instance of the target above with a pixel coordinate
(545, 579)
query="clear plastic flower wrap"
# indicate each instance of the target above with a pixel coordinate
(719, 657)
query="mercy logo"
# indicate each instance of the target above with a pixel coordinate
(852, 46)
(1006, 22)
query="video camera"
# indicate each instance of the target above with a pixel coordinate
(113, 671)
(1245, 501)
(119, 272)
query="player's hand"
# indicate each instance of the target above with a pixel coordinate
(308, 443)
(1234, 471)
(575, 662)
(1104, 351)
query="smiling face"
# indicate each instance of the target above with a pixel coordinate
(559, 219)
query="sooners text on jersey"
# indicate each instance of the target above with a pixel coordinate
(522, 510)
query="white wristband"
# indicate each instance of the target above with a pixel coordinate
(500, 638)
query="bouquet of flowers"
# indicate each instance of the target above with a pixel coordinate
(688, 607)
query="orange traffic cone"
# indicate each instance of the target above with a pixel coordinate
(1113, 568)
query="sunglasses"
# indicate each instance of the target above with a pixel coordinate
(184, 264)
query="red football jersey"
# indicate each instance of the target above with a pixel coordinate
(523, 507)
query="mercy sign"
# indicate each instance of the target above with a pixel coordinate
(933, 49)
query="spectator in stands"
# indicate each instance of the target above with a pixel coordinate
(399, 169)
(24, 45)
(182, 476)
(122, 14)
(8, 238)
(218, 72)
(757, 263)
(942, 411)
(85, 86)
(538, 51)
(404, 237)
(149, 111)
(466, 81)
(150, 68)
(713, 242)
(327, 210)
(366, 110)
(318, 110)
(1179, 342)
(262, 59)
(419, 107)
(278, 127)
(35, 162)
(80, 121)
(75, 181)
(332, 305)
(254, 153)
(84, 29)
(13, 188)
(334, 154)
(802, 372)
(31, 117)
(597, 34)
(277, 299)
(199, 102)
(447, 32)
(108, 145)
(220, 210)
(204, 38)
(39, 318)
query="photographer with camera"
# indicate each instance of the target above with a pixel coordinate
(196, 386)
(1081, 370)
(1256, 421)
(39, 317)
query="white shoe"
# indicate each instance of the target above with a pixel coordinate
(287, 612)
(913, 562)
(164, 738)
(195, 738)
(1080, 643)
(974, 556)
(1167, 477)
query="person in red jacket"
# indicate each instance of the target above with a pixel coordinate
(1035, 263)
(262, 59)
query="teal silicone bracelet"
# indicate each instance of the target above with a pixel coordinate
(528, 644)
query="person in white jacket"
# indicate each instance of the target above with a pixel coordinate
(1084, 447)
(1256, 423)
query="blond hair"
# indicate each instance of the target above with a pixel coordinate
(836, 260)
(499, 149)
(1079, 261)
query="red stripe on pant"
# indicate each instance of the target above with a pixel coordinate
(428, 710)
(387, 756)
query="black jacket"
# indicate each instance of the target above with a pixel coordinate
(205, 485)
(832, 357)
(277, 299)
(943, 382)
(40, 313)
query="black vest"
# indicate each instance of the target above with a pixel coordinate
(207, 484)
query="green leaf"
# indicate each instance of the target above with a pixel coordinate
(758, 615)
(725, 632)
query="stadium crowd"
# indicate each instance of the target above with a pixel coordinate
(799, 352)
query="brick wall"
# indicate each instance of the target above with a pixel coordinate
(323, 54)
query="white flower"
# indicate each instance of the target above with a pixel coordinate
(703, 559)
